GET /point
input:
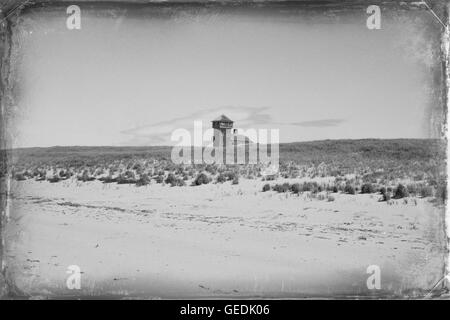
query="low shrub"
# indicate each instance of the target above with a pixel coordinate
(221, 178)
(179, 182)
(386, 197)
(426, 191)
(159, 179)
(171, 179)
(143, 180)
(269, 178)
(311, 186)
(281, 188)
(266, 187)
(200, 179)
(19, 177)
(331, 188)
(227, 176)
(108, 179)
(296, 188)
(367, 188)
(412, 189)
(400, 192)
(39, 174)
(85, 177)
(123, 179)
(321, 197)
(349, 189)
(211, 169)
(64, 174)
(54, 179)
(231, 175)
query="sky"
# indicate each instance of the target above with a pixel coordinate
(130, 80)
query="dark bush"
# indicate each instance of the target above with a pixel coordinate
(85, 177)
(211, 169)
(400, 192)
(367, 188)
(54, 179)
(310, 186)
(296, 188)
(231, 175)
(340, 187)
(171, 179)
(266, 187)
(411, 188)
(137, 167)
(143, 180)
(285, 187)
(201, 179)
(177, 182)
(349, 189)
(221, 178)
(159, 178)
(19, 176)
(331, 188)
(180, 182)
(277, 187)
(235, 180)
(174, 181)
(227, 176)
(108, 179)
(321, 197)
(28, 174)
(386, 197)
(426, 191)
(124, 179)
(269, 178)
(39, 174)
(67, 174)
(130, 174)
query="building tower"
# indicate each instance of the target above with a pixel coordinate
(222, 131)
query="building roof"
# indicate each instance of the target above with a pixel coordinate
(223, 118)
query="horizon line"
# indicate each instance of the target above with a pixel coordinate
(169, 146)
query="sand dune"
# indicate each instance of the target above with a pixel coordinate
(217, 240)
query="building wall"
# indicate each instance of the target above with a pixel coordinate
(222, 133)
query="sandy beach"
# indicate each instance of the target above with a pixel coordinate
(217, 240)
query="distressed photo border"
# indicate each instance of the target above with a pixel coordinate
(11, 10)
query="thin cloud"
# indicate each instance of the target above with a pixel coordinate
(160, 132)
